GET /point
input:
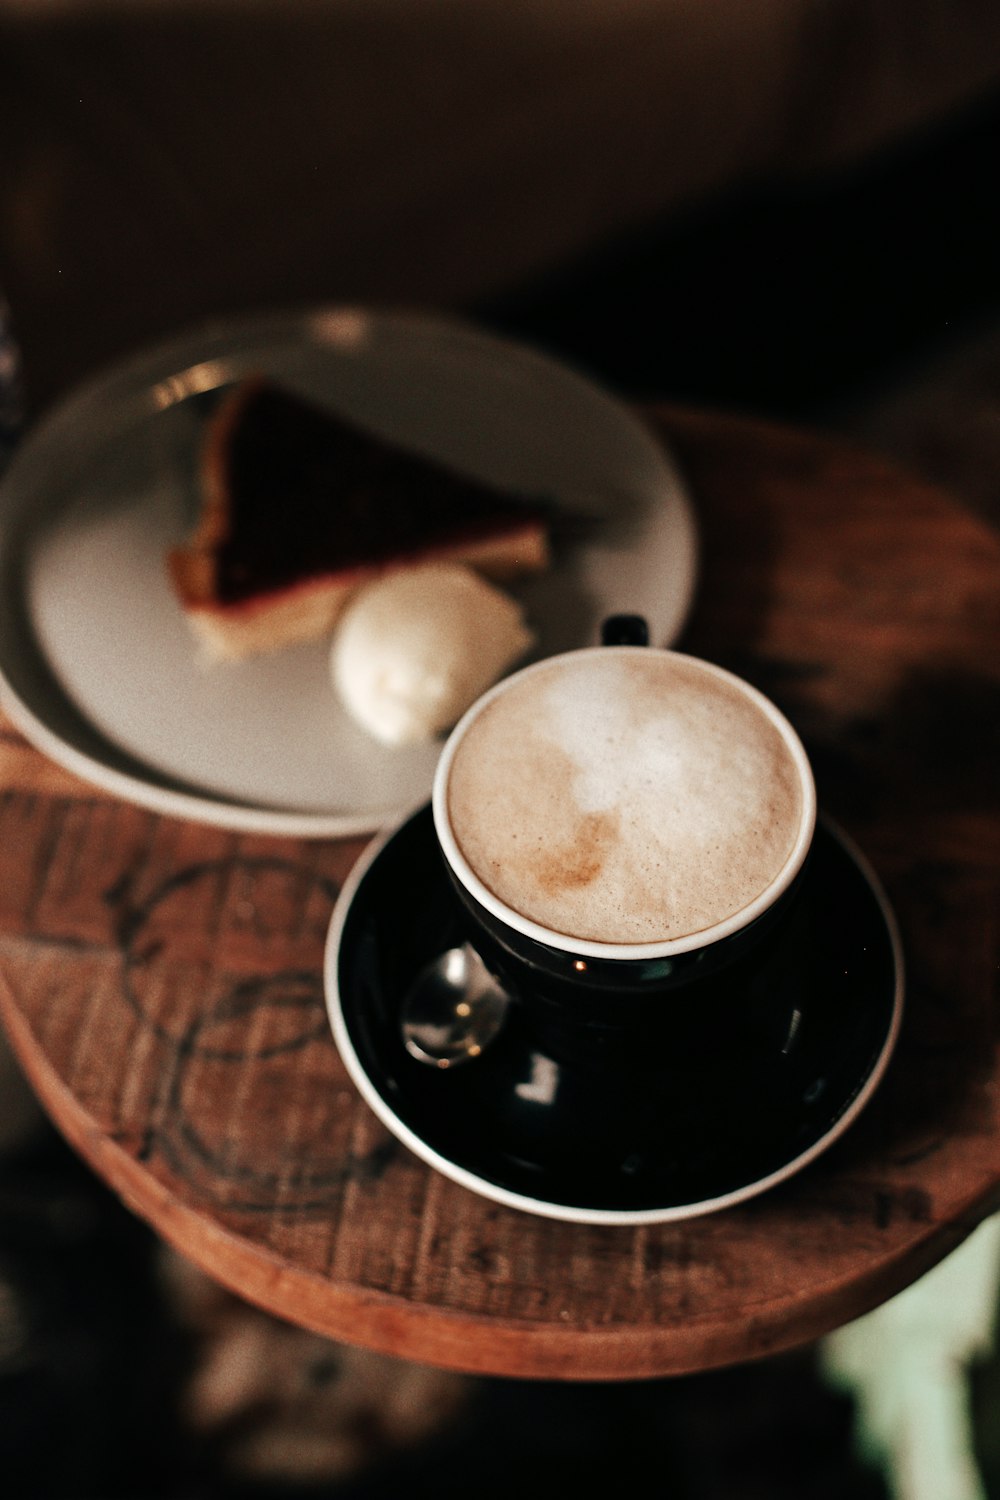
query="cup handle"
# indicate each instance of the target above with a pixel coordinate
(625, 630)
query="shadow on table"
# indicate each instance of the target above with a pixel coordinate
(95, 1366)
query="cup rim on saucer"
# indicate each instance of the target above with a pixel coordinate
(618, 951)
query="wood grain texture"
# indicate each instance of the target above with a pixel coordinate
(161, 982)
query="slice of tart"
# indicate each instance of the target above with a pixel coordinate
(299, 507)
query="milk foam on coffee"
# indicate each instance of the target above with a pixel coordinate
(625, 796)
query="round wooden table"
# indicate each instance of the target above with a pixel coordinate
(161, 982)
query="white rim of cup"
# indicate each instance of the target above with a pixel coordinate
(588, 948)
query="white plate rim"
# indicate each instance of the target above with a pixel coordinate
(213, 340)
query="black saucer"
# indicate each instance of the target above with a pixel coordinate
(515, 1127)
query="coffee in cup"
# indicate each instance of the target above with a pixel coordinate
(624, 803)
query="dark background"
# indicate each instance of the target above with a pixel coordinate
(801, 304)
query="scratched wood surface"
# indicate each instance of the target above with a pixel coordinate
(161, 982)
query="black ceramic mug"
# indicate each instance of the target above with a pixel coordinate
(626, 830)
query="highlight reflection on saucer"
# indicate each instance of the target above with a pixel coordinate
(560, 1142)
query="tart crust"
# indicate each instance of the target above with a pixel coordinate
(448, 519)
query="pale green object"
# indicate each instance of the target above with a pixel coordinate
(906, 1365)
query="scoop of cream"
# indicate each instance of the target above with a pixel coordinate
(415, 648)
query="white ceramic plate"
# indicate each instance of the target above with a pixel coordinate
(97, 664)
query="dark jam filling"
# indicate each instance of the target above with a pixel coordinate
(312, 494)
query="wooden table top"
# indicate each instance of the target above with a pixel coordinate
(161, 982)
